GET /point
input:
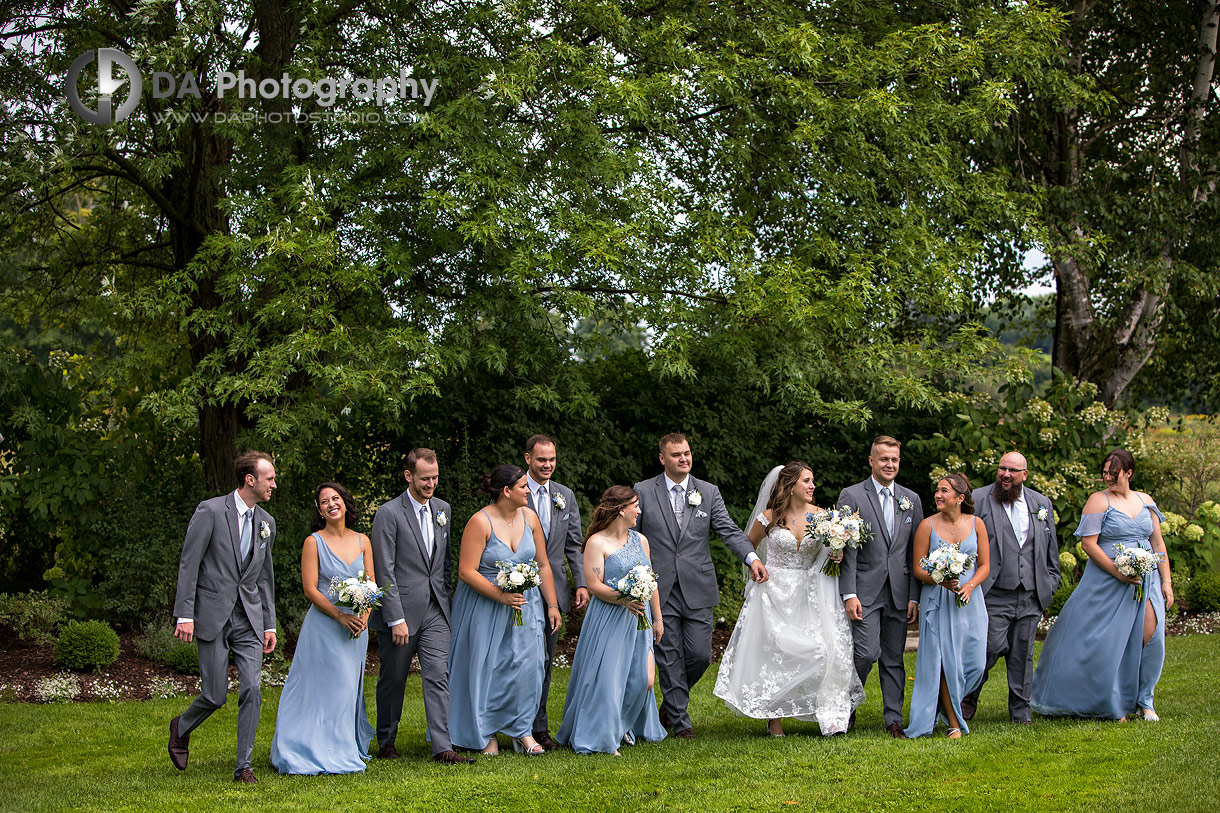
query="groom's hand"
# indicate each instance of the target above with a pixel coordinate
(582, 598)
(912, 612)
(268, 642)
(855, 610)
(759, 571)
(399, 634)
(185, 631)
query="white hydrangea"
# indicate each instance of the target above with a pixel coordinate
(1094, 413)
(1040, 410)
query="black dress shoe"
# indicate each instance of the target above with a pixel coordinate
(246, 776)
(666, 723)
(851, 721)
(179, 747)
(388, 752)
(451, 758)
(685, 734)
(895, 731)
(544, 739)
(969, 707)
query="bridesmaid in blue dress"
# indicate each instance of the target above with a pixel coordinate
(322, 725)
(495, 668)
(1103, 657)
(610, 697)
(952, 640)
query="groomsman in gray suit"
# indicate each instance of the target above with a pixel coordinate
(1024, 577)
(678, 513)
(556, 508)
(410, 542)
(226, 603)
(879, 589)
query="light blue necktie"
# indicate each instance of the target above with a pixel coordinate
(247, 539)
(543, 503)
(887, 510)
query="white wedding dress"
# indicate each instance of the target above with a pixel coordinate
(791, 652)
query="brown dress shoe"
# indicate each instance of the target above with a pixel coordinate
(666, 723)
(544, 739)
(179, 747)
(969, 707)
(451, 758)
(388, 752)
(685, 734)
(895, 730)
(246, 776)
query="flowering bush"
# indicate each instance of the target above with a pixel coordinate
(1194, 542)
(57, 688)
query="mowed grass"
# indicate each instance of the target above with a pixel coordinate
(99, 756)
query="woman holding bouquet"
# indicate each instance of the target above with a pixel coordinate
(610, 698)
(791, 652)
(1103, 657)
(495, 666)
(952, 618)
(322, 725)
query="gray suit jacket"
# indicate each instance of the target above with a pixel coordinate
(865, 570)
(399, 557)
(211, 580)
(683, 555)
(1004, 548)
(564, 537)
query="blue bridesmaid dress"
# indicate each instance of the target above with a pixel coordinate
(322, 725)
(495, 668)
(952, 642)
(1094, 662)
(609, 694)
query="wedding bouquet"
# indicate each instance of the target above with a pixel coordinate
(947, 562)
(638, 585)
(837, 529)
(355, 593)
(517, 577)
(1136, 563)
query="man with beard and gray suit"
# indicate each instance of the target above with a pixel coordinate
(226, 603)
(1024, 577)
(410, 542)
(877, 582)
(559, 515)
(678, 515)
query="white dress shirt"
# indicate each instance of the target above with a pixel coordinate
(1018, 518)
(877, 487)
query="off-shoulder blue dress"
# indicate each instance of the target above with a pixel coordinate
(1094, 662)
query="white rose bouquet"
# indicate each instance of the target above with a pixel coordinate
(356, 593)
(947, 562)
(836, 529)
(1136, 563)
(517, 577)
(638, 585)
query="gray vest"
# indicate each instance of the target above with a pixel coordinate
(1016, 561)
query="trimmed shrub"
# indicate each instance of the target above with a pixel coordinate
(87, 645)
(1203, 593)
(157, 643)
(34, 616)
(183, 658)
(1066, 586)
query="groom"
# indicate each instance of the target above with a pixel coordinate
(678, 512)
(1024, 576)
(226, 602)
(879, 589)
(410, 542)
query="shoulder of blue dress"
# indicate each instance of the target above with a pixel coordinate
(1152, 506)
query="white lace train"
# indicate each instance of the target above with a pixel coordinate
(791, 652)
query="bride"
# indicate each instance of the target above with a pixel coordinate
(791, 652)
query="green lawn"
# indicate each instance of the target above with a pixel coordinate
(99, 756)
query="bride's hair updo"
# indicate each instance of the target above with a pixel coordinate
(613, 500)
(961, 485)
(781, 492)
(500, 478)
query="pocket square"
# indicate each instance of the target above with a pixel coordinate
(263, 545)
(907, 521)
(564, 518)
(700, 514)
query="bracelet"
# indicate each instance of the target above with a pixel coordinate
(500, 598)
(552, 606)
(761, 520)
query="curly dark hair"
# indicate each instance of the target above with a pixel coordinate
(350, 515)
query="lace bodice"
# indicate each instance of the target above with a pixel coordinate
(624, 559)
(782, 551)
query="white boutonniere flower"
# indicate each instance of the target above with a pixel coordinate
(1042, 513)
(904, 503)
(695, 498)
(441, 519)
(559, 502)
(264, 530)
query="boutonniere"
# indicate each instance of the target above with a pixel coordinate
(904, 503)
(559, 502)
(441, 519)
(264, 530)
(1042, 513)
(695, 498)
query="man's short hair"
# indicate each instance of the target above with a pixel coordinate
(534, 440)
(884, 440)
(416, 455)
(672, 439)
(247, 463)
